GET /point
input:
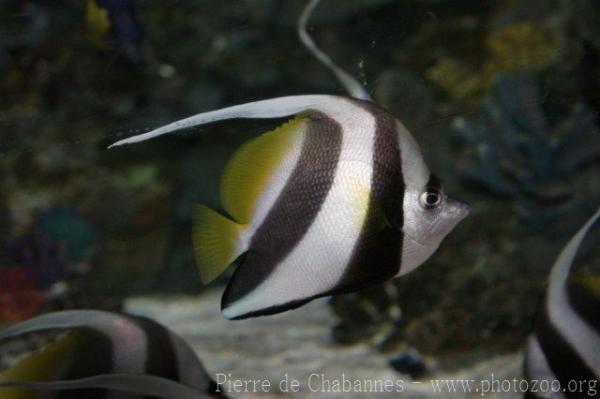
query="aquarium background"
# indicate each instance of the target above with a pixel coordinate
(501, 95)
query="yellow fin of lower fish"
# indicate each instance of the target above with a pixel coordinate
(249, 169)
(590, 283)
(215, 242)
(41, 366)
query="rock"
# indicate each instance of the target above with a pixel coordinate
(410, 362)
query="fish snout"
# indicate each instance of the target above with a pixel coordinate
(460, 209)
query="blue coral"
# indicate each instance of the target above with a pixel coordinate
(517, 151)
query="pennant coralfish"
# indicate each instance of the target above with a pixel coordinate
(564, 350)
(335, 200)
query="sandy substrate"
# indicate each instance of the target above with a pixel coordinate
(275, 356)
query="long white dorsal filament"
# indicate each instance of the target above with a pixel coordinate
(60, 320)
(271, 108)
(352, 86)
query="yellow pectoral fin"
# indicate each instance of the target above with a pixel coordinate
(42, 366)
(366, 209)
(216, 242)
(249, 169)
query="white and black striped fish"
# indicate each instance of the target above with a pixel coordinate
(565, 346)
(333, 201)
(105, 355)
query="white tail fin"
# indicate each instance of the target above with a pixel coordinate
(352, 86)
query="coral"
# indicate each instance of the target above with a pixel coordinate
(512, 48)
(31, 265)
(516, 151)
(70, 231)
(454, 77)
(522, 45)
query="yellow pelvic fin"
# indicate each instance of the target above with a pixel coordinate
(216, 242)
(358, 196)
(41, 366)
(249, 169)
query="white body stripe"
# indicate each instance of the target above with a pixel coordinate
(582, 337)
(538, 369)
(414, 253)
(319, 260)
(129, 342)
(415, 174)
(130, 349)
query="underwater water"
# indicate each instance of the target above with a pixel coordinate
(501, 97)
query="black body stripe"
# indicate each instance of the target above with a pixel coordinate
(278, 308)
(564, 362)
(294, 210)
(586, 304)
(92, 356)
(161, 358)
(377, 254)
(434, 183)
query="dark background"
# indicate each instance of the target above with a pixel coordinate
(501, 95)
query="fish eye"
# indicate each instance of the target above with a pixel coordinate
(430, 199)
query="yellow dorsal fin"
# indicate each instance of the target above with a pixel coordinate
(43, 365)
(248, 171)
